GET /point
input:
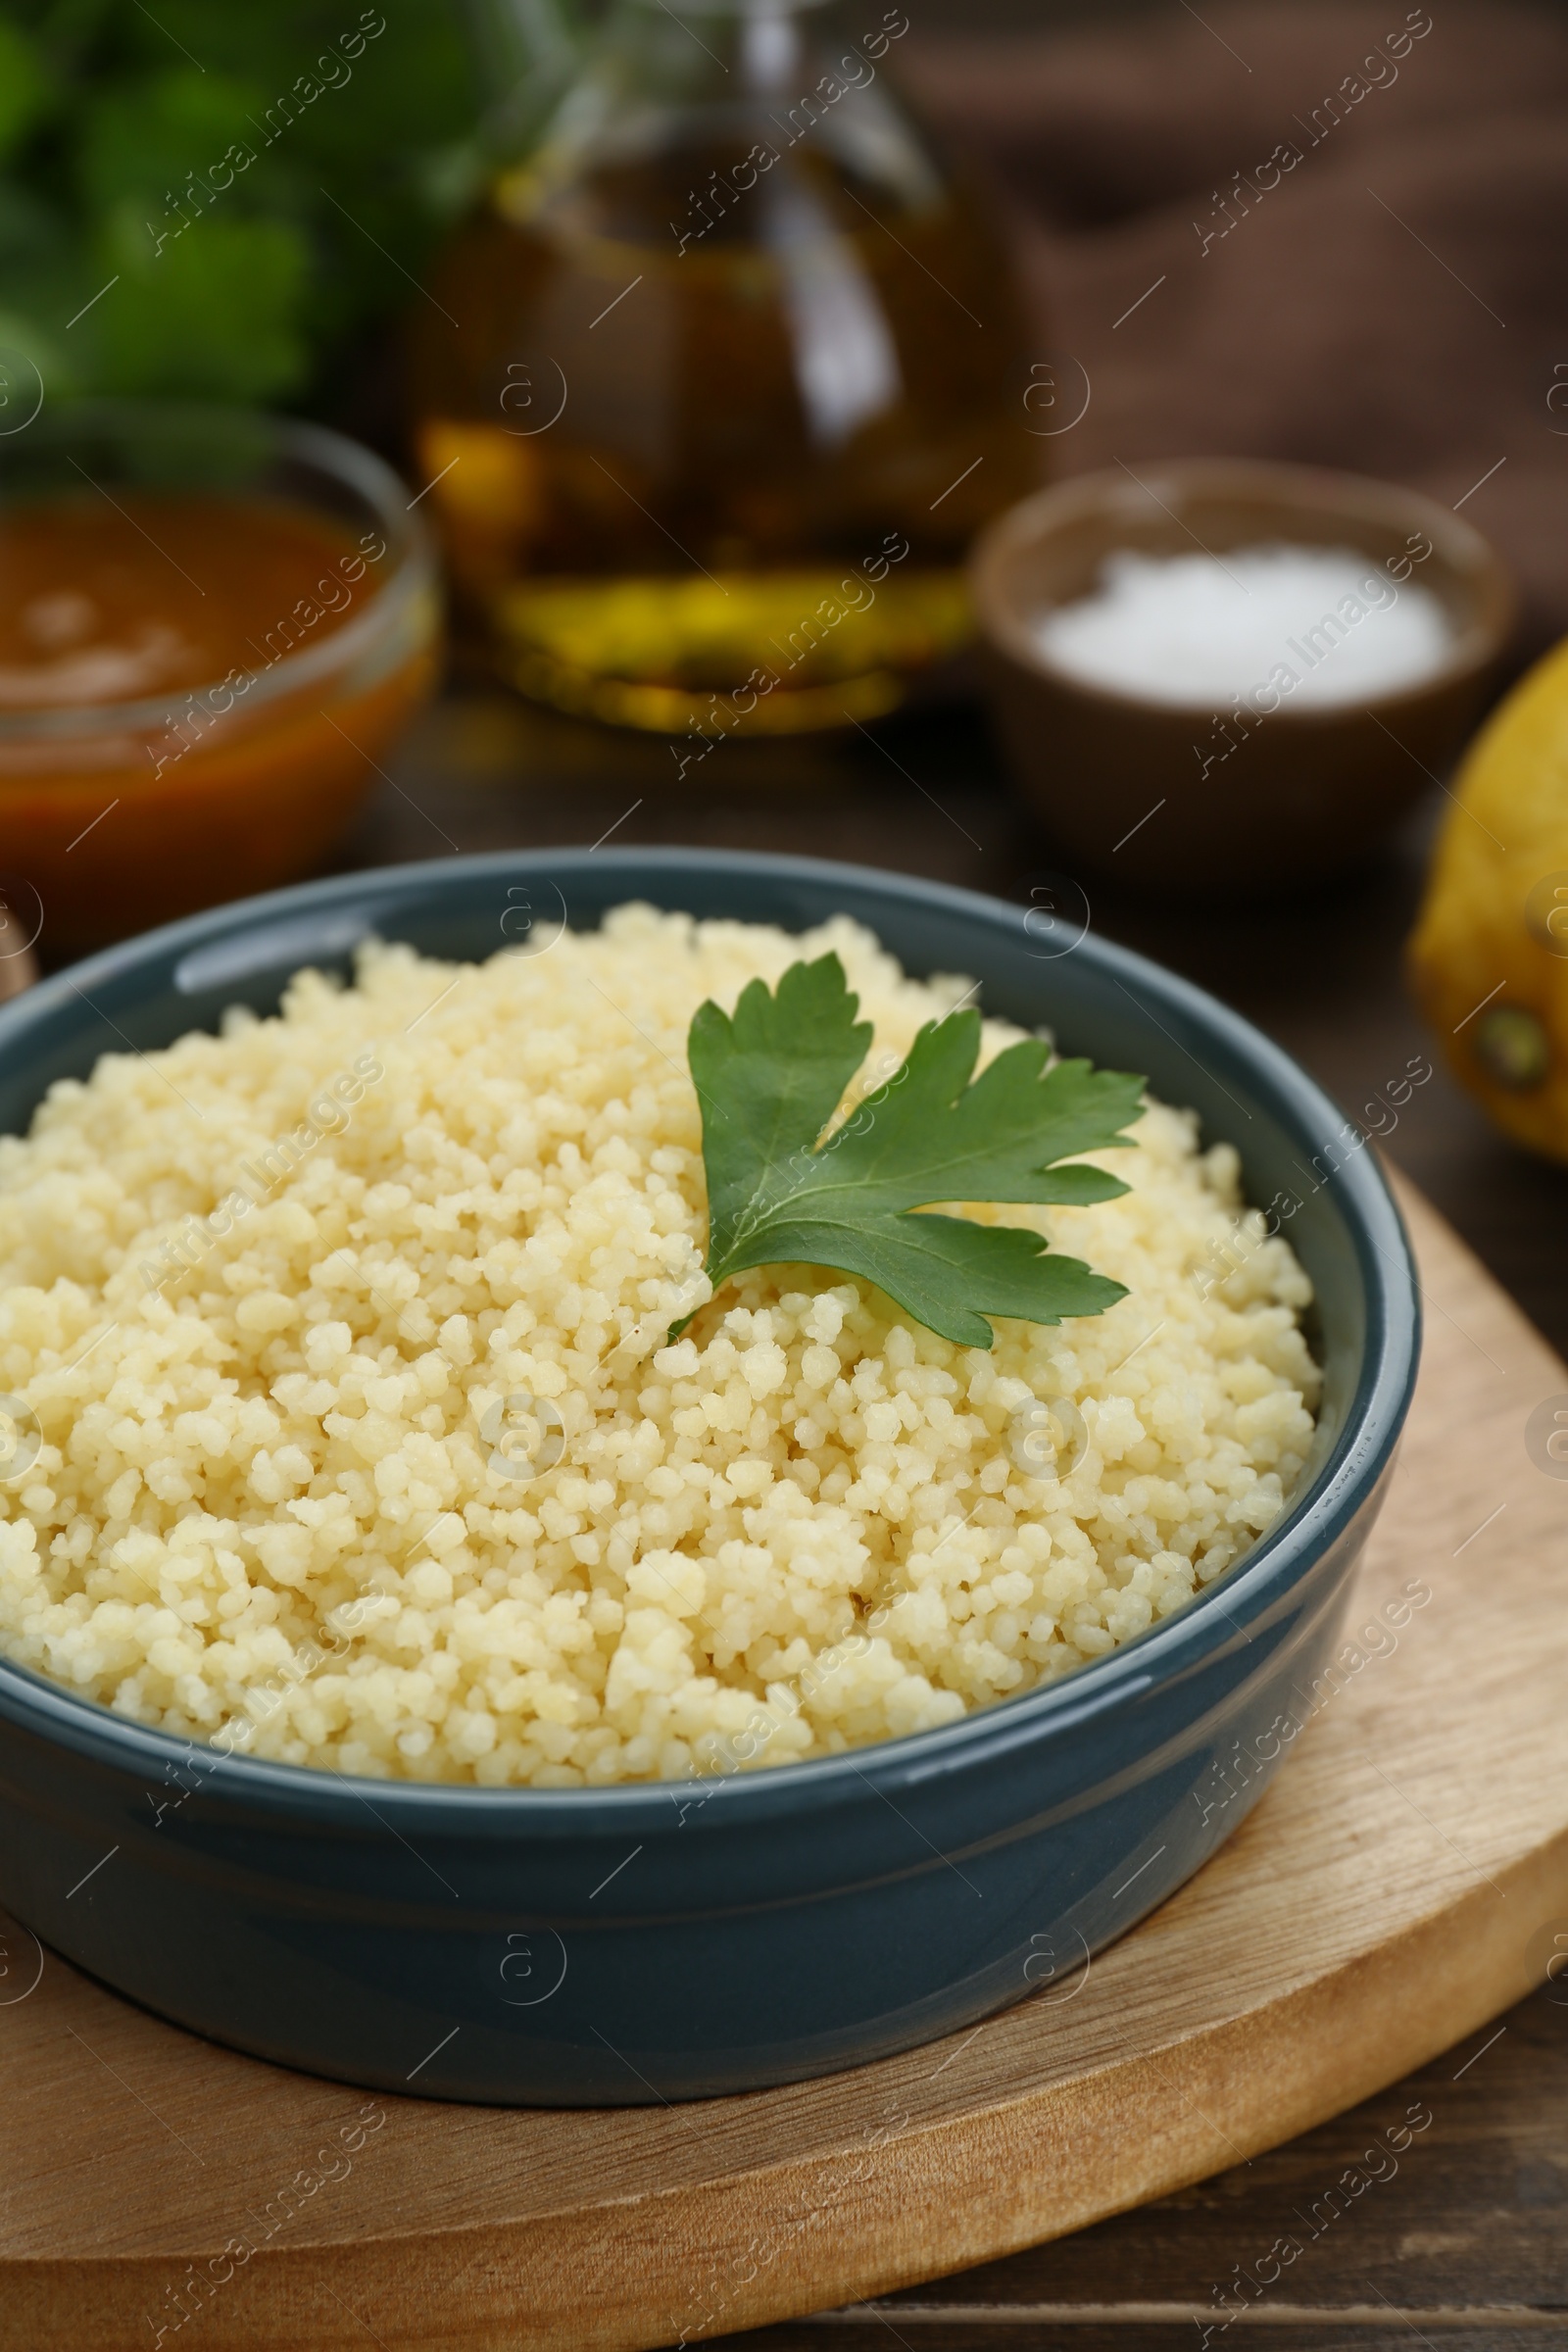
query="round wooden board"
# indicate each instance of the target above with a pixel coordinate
(1400, 1885)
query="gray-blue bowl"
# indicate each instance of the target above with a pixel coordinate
(668, 1941)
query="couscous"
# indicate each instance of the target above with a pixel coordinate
(347, 1430)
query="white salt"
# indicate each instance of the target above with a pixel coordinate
(1201, 629)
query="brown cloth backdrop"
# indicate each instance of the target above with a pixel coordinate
(1397, 305)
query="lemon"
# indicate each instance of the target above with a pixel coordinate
(1490, 952)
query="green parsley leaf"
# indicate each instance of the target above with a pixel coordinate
(224, 303)
(117, 120)
(24, 85)
(769, 1080)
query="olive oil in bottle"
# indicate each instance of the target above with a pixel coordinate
(717, 384)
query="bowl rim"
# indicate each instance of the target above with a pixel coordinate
(1359, 1456)
(1317, 489)
(408, 541)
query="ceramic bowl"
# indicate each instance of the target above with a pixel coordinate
(1211, 801)
(669, 1940)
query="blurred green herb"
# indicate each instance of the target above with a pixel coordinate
(219, 198)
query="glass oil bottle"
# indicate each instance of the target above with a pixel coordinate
(717, 384)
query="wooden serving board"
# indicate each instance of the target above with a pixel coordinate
(1402, 1881)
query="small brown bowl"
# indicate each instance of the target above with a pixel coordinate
(1154, 793)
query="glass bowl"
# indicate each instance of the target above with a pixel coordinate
(121, 811)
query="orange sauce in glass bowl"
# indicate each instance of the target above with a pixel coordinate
(194, 693)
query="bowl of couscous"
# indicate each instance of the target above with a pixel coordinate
(450, 1643)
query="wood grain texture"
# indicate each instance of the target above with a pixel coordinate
(1390, 1895)
(1466, 2242)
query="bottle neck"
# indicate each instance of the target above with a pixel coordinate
(706, 52)
(744, 81)
(525, 56)
(729, 52)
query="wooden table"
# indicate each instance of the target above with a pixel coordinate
(1468, 2249)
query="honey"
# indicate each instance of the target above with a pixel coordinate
(193, 694)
